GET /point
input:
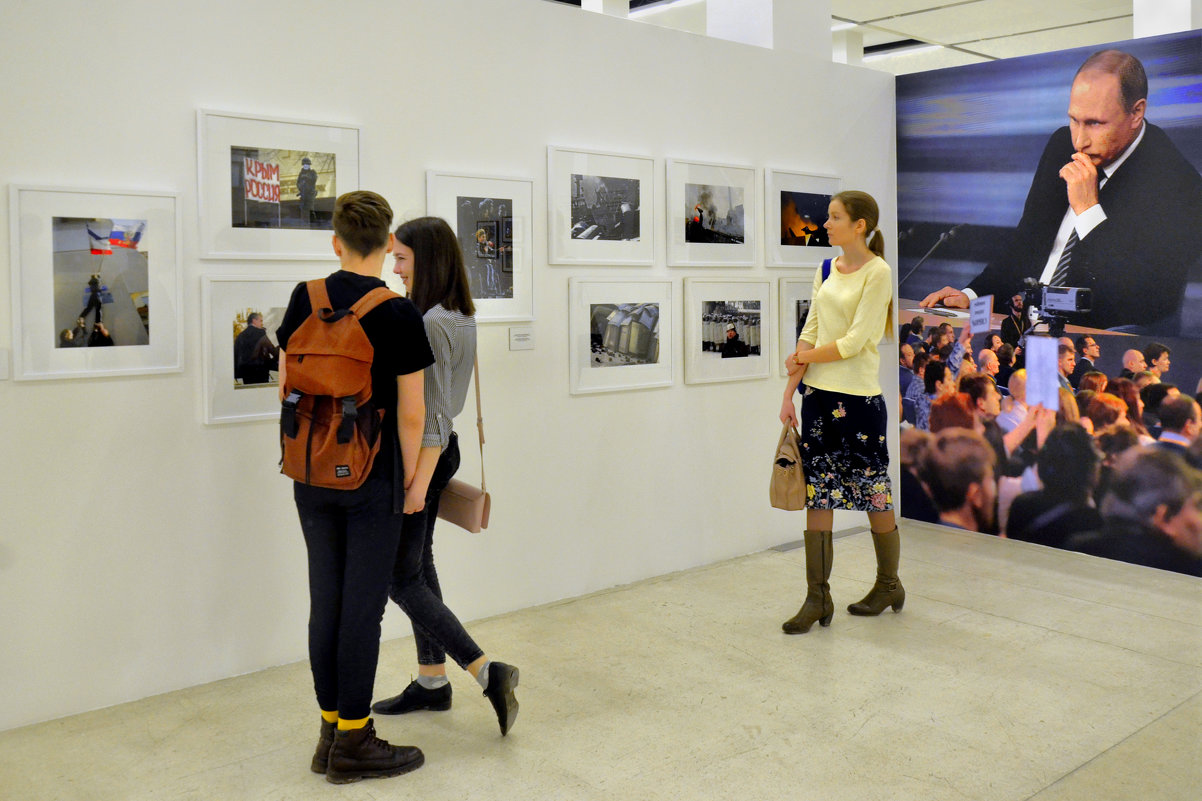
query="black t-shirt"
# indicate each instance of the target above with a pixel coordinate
(397, 336)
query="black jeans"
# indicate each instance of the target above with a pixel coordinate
(415, 589)
(351, 537)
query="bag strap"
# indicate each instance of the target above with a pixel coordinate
(371, 300)
(319, 298)
(826, 269)
(480, 424)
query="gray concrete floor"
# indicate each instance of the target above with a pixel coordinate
(1014, 672)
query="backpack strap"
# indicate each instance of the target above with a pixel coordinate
(319, 298)
(826, 269)
(371, 300)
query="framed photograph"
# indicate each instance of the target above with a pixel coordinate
(268, 185)
(620, 335)
(724, 326)
(95, 282)
(792, 312)
(600, 208)
(241, 354)
(492, 217)
(711, 215)
(795, 206)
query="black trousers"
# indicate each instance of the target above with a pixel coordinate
(415, 588)
(351, 537)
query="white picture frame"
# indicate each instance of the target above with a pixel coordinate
(609, 323)
(224, 140)
(225, 299)
(710, 206)
(501, 271)
(711, 306)
(576, 180)
(57, 238)
(792, 291)
(810, 194)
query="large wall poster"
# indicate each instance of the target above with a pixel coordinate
(979, 153)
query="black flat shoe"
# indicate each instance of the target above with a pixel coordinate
(502, 679)
(414, 698)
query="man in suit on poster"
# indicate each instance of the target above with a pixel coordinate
(1113, 207)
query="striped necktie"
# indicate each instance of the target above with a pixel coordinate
(1066, 259)
(1060, 275)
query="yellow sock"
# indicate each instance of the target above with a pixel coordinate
(351, 725)
(329, 717)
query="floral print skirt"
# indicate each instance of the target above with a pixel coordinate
(844, 452)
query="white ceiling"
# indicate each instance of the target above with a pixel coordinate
(971, 31)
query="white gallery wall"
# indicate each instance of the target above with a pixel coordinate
(142, 551)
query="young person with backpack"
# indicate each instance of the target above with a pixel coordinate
(352, 356)
(430, 263)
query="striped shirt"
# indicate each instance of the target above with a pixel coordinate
(453, 339)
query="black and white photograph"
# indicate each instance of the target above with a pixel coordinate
(711, 215)
(604, 207)
(601, 208)
(256, 349)
(273, 188)
(796, 210)
(724, 322)
(491, 218)
(627, 325)
(623, 334)
(730, 329)
(101, 283)
(489, 260)
(715, 214)
(267, 185)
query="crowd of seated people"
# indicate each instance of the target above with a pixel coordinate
(1116, 471)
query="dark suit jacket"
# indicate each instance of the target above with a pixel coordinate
(1083, 366)
(1137, 260)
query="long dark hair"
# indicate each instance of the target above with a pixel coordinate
(438, 272)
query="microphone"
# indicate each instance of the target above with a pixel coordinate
(943, 237)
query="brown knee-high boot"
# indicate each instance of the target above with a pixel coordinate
(820, 555)
(888, 589)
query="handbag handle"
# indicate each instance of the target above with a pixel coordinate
(480, 424)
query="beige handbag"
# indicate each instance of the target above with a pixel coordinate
(463, 504)
(787, 490)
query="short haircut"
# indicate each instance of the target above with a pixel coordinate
(916, 325)
(933, 375)
(1083, 340)
(956, 459)
(945, 352)
(1063, 349)
(361, 221)
(1146, 376)
(1017, 385)
(976, 386)
(1154, 351)
(921, 358)
(914, 444)
(1177, 411)
(1116, 440)
(1068, 461)
(1133, 81)
(250, 318)
(439, 276)
(950, 411)
(1147, 478)
(1153, 395)
(1005, 354)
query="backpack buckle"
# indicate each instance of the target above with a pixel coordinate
(288, 422)
(349, 415)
